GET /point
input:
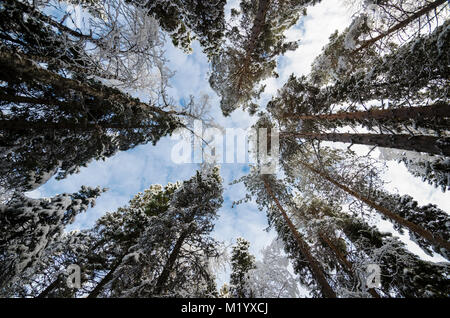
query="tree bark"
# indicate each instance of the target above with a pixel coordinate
(387, 213)
(98, 288)
(314, 265)
(428, 144)
(400, 25)
(263, 6)
(50, 287)
(437, 110)
(344, 262)
(21, 64)
(162, 279)
(17, 124)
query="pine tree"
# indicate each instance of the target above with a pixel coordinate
(403, 274)
(271, 277)
(52, 108)
(250, 56)
(119, 43)
(431, 169)
(427, 144)
(434, 171)
(30, 225)
(378, 28)
(269, 193)
(352, 176)
(399, 16)
(168, 249)
(181, 18)
(242, 262)
(410, 83)
(50, 273)
(432, 117)
(429, 216)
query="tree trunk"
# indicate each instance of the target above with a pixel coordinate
(428, 144)
(387, 213)
(400, 25)
(438, 110)
(16, 124)
(162, 279)
(50, 287)
(263, 6)
(18, 64)
(314, 265)
(344, 262)
(44, 18)
(99, 287)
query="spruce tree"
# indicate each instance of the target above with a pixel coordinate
(242, 262)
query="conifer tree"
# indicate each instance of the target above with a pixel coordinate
(410, 84)
(167, 251)
(242, 262)
(353, 176)
(57, 111)
(250, 54)
(181, 18)
(269, 193)
(403, 274)
(271, 278)
(28, 226)
(378, 28)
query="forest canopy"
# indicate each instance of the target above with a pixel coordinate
(90, 95)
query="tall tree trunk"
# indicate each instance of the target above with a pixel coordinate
(428, 144)
(387, 213)
(18, 124)
(162, 279)
(401, 24)
(99, 287)
(344, 262)
(44, 18)
(34, 100)
(437, 110)
(19, 64)
(50, 287)
(314, 265)
(258, 23)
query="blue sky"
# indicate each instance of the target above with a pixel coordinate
(129, 172)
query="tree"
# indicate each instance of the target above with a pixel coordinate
(434, 170)
(403, 274)
(267, 191)
(427, 144)
(50, 273)
(28, 226)
(432, 117)
(242, 262)
(409, 81)
(378, 28)
(271, 277)
(354, 176)
(116, 42)
(56, 112)
(399, 13)
(318, 220)
(168, 251)
(250, 54)
(180, 18)
(429, 216)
